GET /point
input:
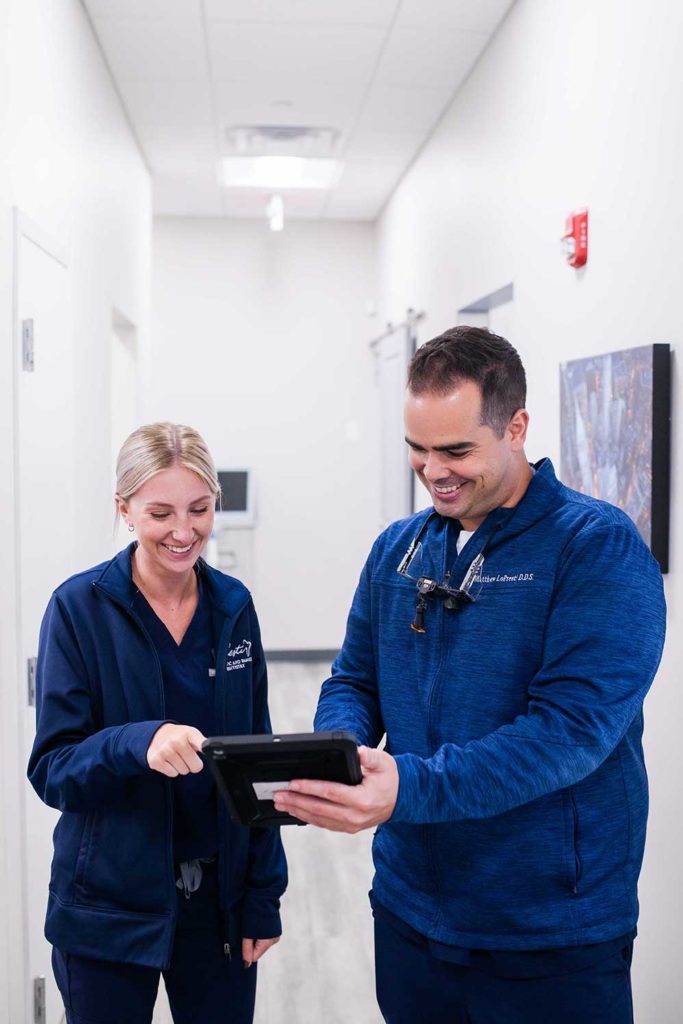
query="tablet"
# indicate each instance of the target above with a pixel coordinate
(250, 769)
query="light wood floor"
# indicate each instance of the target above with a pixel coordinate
(322, 969)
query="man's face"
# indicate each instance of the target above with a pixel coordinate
(467, 469)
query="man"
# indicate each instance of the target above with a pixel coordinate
(506, 661)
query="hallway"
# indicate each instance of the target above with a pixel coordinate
(143, 280)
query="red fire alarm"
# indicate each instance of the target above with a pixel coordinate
(575, 238)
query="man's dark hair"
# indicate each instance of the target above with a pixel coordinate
(472, 353)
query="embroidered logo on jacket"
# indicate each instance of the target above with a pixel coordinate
(239, 656)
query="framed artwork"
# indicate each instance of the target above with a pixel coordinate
(615, 435)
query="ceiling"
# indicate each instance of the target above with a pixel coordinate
(379, 73)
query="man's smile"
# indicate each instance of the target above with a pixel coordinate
(451, 489)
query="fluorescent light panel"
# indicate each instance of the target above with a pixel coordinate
(280, 172)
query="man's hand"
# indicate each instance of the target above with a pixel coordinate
(174, 750)
(253, 949)
(343, 808)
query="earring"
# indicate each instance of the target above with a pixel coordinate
(131, 528)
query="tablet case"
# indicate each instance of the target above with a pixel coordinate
(248, 769)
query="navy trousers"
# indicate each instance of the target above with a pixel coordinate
(413, 985)
(203, 985)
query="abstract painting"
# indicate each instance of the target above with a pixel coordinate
(615, 435)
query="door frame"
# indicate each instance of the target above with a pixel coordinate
(12, 686)
(407, 330)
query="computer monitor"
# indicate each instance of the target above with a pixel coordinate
(236, 504)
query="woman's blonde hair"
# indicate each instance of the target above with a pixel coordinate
(158, 446)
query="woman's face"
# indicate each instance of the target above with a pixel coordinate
(173, 517)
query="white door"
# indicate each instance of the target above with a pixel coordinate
(394, 353)
(46, 533)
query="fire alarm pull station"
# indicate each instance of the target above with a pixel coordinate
(575, 238)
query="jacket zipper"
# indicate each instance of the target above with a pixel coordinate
(575, 839)
(167, 782)
(487, 546)
(435, 688)
(220, 705)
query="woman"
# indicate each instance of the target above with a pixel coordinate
(149, 875)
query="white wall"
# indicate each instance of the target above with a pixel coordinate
(259, 340)
(571, 105)
(77, 171)
(68, 161)
(7, 650)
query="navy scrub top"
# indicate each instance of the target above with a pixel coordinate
(189, 689)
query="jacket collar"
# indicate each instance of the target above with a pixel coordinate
(227, 594)
(544, 494)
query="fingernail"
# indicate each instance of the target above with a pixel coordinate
(293, 786)
(246, 964)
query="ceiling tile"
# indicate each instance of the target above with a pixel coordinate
(380, 72)
(468, 15)
(402, 109)
(297, 54)
(365, 187)
(180, 151)
(284, 102)
(429, 57)
(399, 147)
(369, 176)
(148, 8)
(186, 197)
(153, 48)
(167, 103)
(329, 12)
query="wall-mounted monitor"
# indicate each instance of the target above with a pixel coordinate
(236, 504)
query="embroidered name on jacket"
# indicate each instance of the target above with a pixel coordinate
(239, 656)
(520, 577)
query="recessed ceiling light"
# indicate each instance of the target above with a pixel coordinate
(280, 172)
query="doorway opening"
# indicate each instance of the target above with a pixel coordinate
(123, 396)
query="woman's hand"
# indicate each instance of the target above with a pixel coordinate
(253, 949)
(174, 750)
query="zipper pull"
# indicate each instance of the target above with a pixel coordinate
(226, 950)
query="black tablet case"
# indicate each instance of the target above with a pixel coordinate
(239, 763)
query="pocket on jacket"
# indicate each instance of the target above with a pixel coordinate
(84, 850)
(572, 856)
(123, 860)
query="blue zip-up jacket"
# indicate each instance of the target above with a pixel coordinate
(100, 699)
(516, 722)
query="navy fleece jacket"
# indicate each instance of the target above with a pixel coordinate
(516, 722)
(100, 699)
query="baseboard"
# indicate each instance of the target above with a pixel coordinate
(324, 655)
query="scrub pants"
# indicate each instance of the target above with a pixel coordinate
(413, 985)
(203, 985)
